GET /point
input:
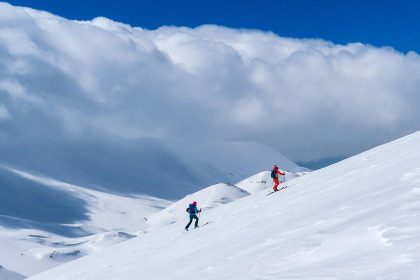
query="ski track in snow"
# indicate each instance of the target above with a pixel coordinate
(358, 219)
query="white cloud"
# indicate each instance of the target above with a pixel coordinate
(4, 113)
(307, 98)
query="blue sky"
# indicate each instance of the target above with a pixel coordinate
(386, 22)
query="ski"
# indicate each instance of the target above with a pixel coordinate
(205, 224)
(271, 192)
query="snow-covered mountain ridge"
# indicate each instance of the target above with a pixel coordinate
(9, 275)
(45, 222)
(357, 219)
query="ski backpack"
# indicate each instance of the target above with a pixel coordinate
(191, 209)
(273, 173)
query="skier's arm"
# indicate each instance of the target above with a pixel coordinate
(281, 173)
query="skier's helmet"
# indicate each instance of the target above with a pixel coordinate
(195, 203)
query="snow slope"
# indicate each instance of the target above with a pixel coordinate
(263, 181)
(115, 177)
(9, 275)
(208, 198)
(102, 211)
(46, 222)
(67, 189)
(124, 166)
(215, 196)
(358, 219)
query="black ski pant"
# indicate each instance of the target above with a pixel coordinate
(191, 219)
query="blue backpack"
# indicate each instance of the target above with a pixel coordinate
(191, 209)
(273, 173)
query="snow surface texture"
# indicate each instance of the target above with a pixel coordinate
(216, 195)
(358, 219)
(9, 275)
(208, 198)
(45, 222)
(263, 180)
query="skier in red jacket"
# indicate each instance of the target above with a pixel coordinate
(275, 172)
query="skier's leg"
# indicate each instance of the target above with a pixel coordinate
(276, 184)
(189, 223)
(196, 220)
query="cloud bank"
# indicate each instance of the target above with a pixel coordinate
(309, 99)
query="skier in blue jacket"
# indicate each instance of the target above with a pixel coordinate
(193, 210)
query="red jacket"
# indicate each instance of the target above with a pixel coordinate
(279, 172)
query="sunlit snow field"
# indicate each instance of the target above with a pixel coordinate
(358, 219)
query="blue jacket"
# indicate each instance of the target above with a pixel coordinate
(192, 209)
